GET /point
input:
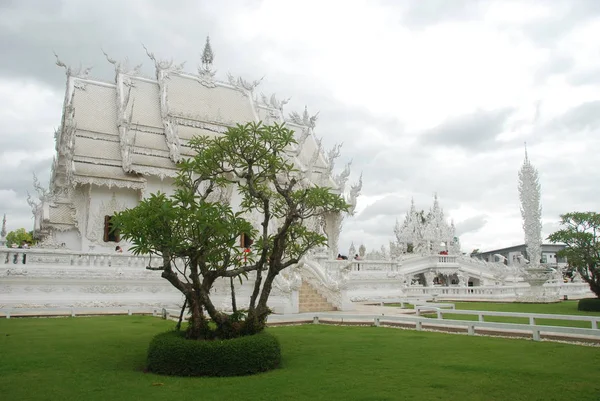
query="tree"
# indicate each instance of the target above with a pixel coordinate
(196, 234)
(580, 235)
(17, 237)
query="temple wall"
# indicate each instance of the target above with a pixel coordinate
(71, 238)
(155, 184)
(55, 279)
(105, 202)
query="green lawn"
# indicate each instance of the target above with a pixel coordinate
(559, 308)
(102, 358)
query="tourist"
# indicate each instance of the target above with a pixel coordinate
(357, 257)
(118, 249)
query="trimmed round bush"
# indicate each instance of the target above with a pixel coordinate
(589, 304)
(172, 354)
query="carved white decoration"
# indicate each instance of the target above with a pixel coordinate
(305, 120)
(333, 154)
(124, 85)
(245, 87)
(96, 224)
(79, 72)
(164, 69)
(342, 178)
(354, 193)
(206, 75)
(531, 211)
(276, 104)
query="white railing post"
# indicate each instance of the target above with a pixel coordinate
(471, 329)
(376, 322)
(316, 320)
(536, 334)
(595, 324)
(439, 314)
(419, 326)
(481, 317)
(532, 320)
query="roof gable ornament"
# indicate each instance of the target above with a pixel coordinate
(305, 119)
(163, 69)
(80, 72)
(124, 67)
(354, 193)
(124, 85)
(275, 106)
(342, 178)
(246, 87)
(333, 154)
(206, 75)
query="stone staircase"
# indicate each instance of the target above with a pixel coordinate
(311, 301)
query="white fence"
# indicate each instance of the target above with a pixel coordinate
(531, 316)
(537, 332)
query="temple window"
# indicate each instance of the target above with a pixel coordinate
(110, 234)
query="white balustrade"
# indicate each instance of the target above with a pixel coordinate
(60, 257)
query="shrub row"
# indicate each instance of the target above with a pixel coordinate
(589, 304)
(171, 354)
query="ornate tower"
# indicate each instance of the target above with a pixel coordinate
(531, 211)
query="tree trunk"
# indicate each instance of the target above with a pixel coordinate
(233, 305)
(178, 327)
(198, 328)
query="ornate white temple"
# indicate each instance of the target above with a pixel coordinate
(425, 234)
(119, 141)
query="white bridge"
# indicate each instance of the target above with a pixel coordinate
(51, 278)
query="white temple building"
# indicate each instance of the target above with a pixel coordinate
(119, 141)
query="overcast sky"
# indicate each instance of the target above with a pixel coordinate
(426, 95)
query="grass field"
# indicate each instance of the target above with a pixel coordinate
(102, 358)
(559, 308)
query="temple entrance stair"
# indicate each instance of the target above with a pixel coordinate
(311, 301)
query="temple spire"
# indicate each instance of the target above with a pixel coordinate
(207, 55)
(526, 158)
(3, 232)
(531, 211)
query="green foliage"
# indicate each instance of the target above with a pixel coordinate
(18, 236)
(580, 235)
(172, 354)
(197, 235)
(589, 305)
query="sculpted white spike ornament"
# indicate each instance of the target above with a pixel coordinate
(305, 119)
(333, 154)
(531, 211)
(342, 178)
(163, 69)
(124, 86)
(79, 72)
(247, 88)
(354, 192)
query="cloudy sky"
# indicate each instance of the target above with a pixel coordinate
(426, 95)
